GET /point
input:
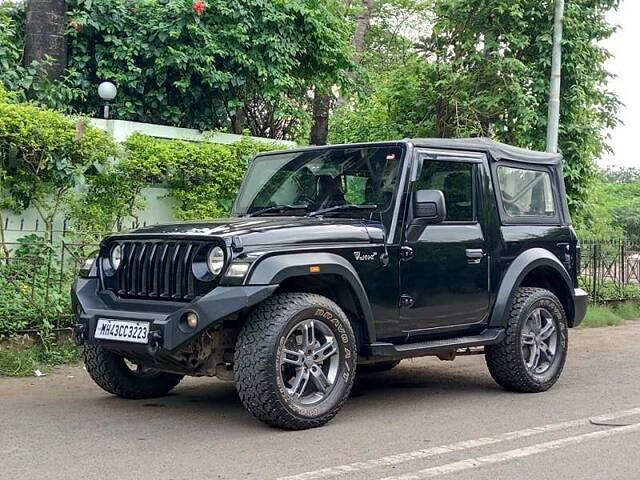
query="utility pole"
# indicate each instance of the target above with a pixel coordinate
(553, 116)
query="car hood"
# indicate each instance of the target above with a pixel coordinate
(263, 231)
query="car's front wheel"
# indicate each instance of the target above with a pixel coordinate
(114, 374)
(531, 356)
(295, 361)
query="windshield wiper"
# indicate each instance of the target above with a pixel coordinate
(339, 208)
(277, 208)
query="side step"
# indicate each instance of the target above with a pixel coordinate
(432, 347)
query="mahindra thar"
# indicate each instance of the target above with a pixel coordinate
(341, 259)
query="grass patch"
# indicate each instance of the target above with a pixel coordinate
(627, 310)
(600, 316)
(20, 361)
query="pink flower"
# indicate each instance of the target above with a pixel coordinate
(198, 7)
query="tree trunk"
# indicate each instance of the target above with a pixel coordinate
(363, 19)
(320, 127)
(322, 99)
(44, 34)
(239, 121)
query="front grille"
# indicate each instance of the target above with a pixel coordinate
(159, 269)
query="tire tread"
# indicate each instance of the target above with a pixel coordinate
(255, 380)
(504, 359)
(107, 372)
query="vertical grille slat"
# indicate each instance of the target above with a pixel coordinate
(144, 270)
(190, 288)
(162, 265)
(160, 269)
(121, 275)
(129, 267)
(139, 279)
(166, 273)
(133, 270)
(175, 271)
(182, 271)
(150, 277)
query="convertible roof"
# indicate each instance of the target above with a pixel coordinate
(496, 150)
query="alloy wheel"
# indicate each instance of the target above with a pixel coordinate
(539, 341)
(309, 362)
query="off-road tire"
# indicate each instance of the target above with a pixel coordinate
(112, 374)
(378, 366)
(505, 360)
(257, 369)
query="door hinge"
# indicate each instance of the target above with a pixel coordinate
(406, 253)
(406, 301)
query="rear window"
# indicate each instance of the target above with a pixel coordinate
(526, 193)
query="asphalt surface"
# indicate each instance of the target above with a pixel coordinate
(424, 419)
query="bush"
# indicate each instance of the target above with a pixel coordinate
(34, 287)
(202, 177)
(43, 155)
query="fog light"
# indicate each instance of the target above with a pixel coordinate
(192, 320)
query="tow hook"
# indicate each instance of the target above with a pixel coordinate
(79, 334)
(155, 339)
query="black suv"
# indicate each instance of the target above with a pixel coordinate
(341, 259)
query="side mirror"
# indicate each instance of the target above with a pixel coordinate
(429, 207)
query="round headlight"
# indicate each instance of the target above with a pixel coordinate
(215, 260)
(116, 256)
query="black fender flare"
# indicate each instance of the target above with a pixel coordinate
(277, 268)
(517, 271)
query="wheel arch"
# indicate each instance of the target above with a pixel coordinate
(536, 267)
(336, 280)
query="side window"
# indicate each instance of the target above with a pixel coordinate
(526, 193)
(455, 180)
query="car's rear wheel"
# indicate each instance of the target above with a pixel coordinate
(116, 375)
(532, 354)
(295, 361)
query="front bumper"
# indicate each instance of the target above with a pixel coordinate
(580, 304)
(166, 330)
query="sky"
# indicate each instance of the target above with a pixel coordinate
(625, 48)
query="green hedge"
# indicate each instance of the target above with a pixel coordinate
(203, 178)
(44, 155)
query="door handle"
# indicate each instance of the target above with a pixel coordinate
(474, 255)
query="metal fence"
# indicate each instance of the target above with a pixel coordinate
(36, 277)
(610, 269)
(37, 269)
(35, 280)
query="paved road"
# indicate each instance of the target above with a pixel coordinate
(425, 419)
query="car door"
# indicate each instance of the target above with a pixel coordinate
(444, 271)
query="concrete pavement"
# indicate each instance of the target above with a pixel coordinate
(424, 419)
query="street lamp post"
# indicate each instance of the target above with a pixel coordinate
(107, 91)
(553, 115)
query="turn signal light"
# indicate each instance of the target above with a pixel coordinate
(314, 268)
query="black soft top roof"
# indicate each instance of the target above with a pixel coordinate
(496, 150)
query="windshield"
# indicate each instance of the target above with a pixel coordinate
(315, 180)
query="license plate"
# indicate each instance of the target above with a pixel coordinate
(122, 330)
